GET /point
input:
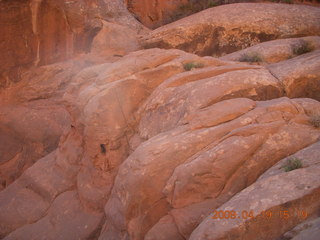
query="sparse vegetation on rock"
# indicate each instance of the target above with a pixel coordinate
(250, 57)
(190, 65)
(315, 120)
(292, 164)
(302, 47)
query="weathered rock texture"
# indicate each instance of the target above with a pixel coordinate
(284, 198)
(276, 50)
(217, 127)
(38, 32)
(309, 229)
(154, 13)
(225, 29)
(124, 144)
(300, 75)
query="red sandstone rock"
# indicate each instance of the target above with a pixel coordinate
(154, 13)
(182, 162)
(294, 192)
(52, 31)
(277, 50)
(137, 146)
(225, 29)
(300, 75)
(28, 132)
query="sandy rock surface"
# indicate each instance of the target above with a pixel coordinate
(132, 143)
(229, 28)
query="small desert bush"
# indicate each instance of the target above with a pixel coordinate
(301, 48)
(191, 65)
(212, 3)
(292, 164)
(250, 57)
(315, 120)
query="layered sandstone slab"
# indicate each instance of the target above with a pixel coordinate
(300, 75)
(145, 133)
(228, 28)
(28, 132)
(277, 198)
(52, 30)
(189, 166)
(276, 50)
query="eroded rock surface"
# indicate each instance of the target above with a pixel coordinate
(52, 31)
(225, 29)
(276, 50)
(136, 144)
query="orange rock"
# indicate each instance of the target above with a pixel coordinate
(154, 13)
(28, 132)
(190, 166)
(276, 50)
(228, 28)
(300, 75)
(53, 31)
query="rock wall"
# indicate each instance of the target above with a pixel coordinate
(40, 32)
(155, 13)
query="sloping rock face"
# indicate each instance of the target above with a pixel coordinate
(125, 144)
(300, 75)
(276, 50)
(225, 29)
(154, 13)
(276, 198)
(52, 31)
(217, 127)
(309, 229)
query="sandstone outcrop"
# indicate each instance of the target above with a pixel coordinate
(276, 50)
(28, 132)
(154, 13)
(228, 28)
(300, 75)
(122, 143)
(52, 31)
(189, 166)
(276, 198)
(223, 116)
(308, 229)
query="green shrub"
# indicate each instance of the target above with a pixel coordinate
(315, 121)
(301, 48)
(250, 57)
(288, 1)
(292, 164)
(212, 3)
(191, 65)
